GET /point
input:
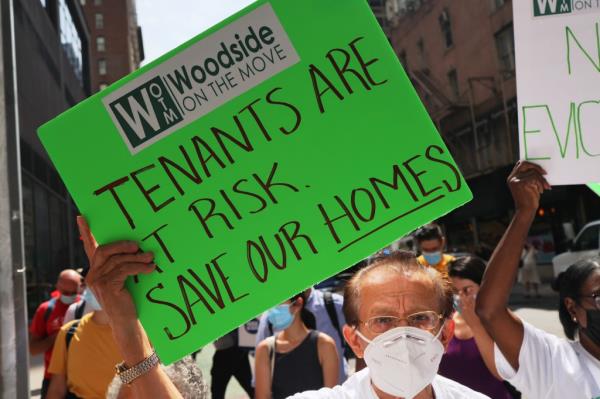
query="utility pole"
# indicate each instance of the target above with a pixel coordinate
(14, 353)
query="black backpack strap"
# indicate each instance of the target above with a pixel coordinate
(79, 309)
(332, 312)
(49, 309)
(71, 332)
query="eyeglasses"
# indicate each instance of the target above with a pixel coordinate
(595, 297)
(428, 320)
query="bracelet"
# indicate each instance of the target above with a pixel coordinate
(128, 375)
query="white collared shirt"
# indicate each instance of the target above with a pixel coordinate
(359, 387)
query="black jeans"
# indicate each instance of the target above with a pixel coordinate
(227, 363)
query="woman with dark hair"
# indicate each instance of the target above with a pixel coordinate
(296, 359)
(469, 358)
(535, 362)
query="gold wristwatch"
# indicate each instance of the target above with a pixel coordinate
(129, 374)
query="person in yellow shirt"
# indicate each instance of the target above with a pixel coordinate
(84, 357)
(431, 242)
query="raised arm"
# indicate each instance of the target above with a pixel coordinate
(526, 184)
(110, 265)
(484, 342)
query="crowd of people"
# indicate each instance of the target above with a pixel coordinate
(428, 326)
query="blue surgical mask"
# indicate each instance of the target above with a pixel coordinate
(456, 303)
(90, 299)
(68, 299)
(280, 317)
(433, 258)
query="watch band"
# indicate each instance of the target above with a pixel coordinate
(128, 375)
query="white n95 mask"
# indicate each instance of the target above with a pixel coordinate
(403, 360)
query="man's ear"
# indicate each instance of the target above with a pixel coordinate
(447, 332)
(355, 342)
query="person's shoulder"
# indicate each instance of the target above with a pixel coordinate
(79, 324)
(323, 393)
(533, 333)
(355, 387)
(45, 305)
(73, 306)
(449, 389)
(264, 345)
(324, 339)
(449, 258)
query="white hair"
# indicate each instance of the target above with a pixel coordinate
(185, 375)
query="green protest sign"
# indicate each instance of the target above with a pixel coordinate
(264, 155)
(595, 187)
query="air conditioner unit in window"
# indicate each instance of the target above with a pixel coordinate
(445, 17)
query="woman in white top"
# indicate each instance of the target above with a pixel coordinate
(537, 363)
(528, 275)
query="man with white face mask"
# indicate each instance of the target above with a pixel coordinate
(48, 319)
(398, 316)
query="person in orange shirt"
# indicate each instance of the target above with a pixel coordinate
(431, 242)
(84, 357)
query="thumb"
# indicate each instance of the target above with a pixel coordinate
(89, 242)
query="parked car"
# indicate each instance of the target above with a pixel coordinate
(585, 245)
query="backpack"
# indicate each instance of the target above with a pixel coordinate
(71, 332)
(49, 309)
(79, 309)
(332, 312)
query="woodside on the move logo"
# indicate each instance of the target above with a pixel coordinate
(553, 7)
(200, 78)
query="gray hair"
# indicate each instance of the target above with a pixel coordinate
(185, 375)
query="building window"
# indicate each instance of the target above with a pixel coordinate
(102, 67)
(422, 56)
(70, 39)
(505, 44)
(496, 4)
(99, 21)
(453, 81)
(100, 44)
(403, 59)
(102, 86)
(446, 28)
(97, 2)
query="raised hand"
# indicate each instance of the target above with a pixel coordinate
(110, 265)
(527, 183)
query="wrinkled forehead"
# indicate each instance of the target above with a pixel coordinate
(390, 292)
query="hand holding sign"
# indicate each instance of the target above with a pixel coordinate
(110, 266)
